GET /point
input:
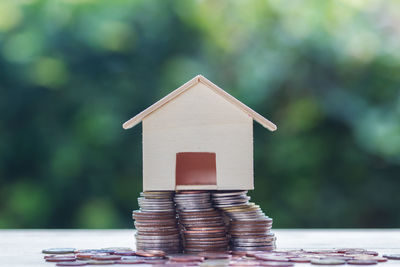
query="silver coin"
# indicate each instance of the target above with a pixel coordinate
(154, 201)
(193, 195)
(158, 202)
(160, 207)
(144, 199)
(214, 198)
(228, 193)
(196, 210)
(273, 243)
(231, 200)
(157, 210)
(255, 240)
(58, 250)
(181, 200)
(266, 248)
(159, 244)
(392, 256)
(160, 238)
(193, 207)
(178, 199)
(327, 261)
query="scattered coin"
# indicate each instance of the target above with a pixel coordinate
(129, 262)
(124, 253)
(150, 253)
(60, 259)
(176, 264)
(266, 257)
(327, 262)
(94, 251)
(205, 224)
(380, 259)
(350, 250)
(70, 255)
(239, 253)
(280, 264)
(116, 249)
(215, 255)
(369, 252)
(132, 258)
(94, 262)
(74, 263)
(155, 261)
(186, 258)
(300, 260)
(106, 257)
(58, 250)
(244, 262)
(85, 256)
(392, 256)
(362, 262)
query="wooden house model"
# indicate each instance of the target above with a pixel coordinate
(198, 137)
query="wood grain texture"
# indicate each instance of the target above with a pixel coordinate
(139, 117)
(198, 121)
(23, 247)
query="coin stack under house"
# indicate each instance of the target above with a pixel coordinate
(156, 222)
(202, 226)
(249, 228)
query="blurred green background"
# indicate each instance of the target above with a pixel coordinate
(326, 72)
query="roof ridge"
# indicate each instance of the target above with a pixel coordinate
(195, 80)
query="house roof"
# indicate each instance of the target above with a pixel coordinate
(199, 79)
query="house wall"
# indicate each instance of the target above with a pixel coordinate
(199, 120)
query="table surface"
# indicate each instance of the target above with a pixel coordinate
(23, 247)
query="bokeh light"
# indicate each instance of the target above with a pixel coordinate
(326, 72)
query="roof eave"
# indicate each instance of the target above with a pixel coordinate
(199, 78)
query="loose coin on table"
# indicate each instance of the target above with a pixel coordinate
(392, 256)
(362, 262)
(58, 250)
(73, 263)
(158, 258)
(328, 262)
(213, 229)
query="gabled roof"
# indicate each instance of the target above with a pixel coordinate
(199, 79)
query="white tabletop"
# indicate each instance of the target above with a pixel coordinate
(23, 247)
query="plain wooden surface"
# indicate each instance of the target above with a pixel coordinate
(23, 247)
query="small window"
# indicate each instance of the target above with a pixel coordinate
(196, 168)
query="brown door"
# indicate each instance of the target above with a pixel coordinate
(196, 168)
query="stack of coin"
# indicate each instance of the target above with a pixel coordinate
(202, 226)
(156, 222)
(249, 228)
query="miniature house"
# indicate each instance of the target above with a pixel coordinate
(198, 137)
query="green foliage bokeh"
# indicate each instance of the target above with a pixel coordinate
(326, 72)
